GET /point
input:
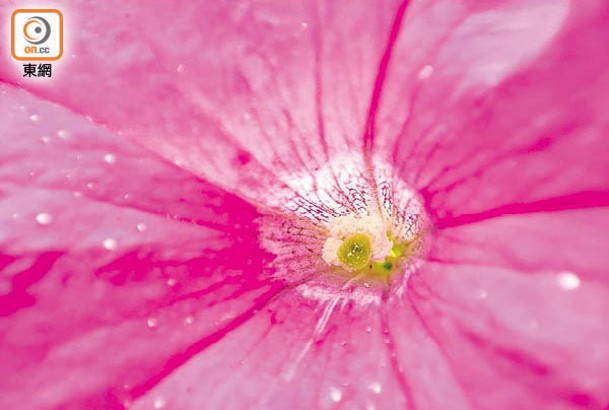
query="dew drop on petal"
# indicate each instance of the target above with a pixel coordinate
(109, 244)
(375, 387)
(189, 320)
(180, 68)
(171, 282)
(35, 118)
(151, 322)
(45, 139)
(141, 227)
(63, 134)
(335, 394)
(368, 329)
(44, 218)
(425, 72)
(159, 403)
(568, 280)
(110, 158)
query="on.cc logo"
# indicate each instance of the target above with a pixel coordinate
(37, 30)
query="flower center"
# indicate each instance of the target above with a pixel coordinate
(364, 245)
(345, 230)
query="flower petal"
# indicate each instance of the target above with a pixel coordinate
(297, 353)
(240, 93)
(517, 307)
(99, 251)
(508, 108)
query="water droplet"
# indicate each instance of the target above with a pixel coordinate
(180, 68)
(35, 117)
(568, 280)
(141, 227)
(376, 387)
(90, 185)
(304, 25)
(425, 72)
(63, 134)
(44, 218)
(171, 282)
(335, 394)
(368, 329)
(189, 320)
(159, 403)
(151, 323)
(109, 244)
(110, 158)
(46, 139)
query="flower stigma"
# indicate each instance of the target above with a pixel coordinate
(364, 246)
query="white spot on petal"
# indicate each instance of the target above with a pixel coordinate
(425, 72)
(159, 403)
(109, 244)
(44, 218)
(35, 117)
(151, 322)
(63, 134)
(568, 280)
(46, 139)
(335, 394)
(376, 387)
(110, 158)
(180, 68)
(141, 227)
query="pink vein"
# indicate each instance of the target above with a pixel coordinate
(179, 359)
(579, 200)
(379, 82)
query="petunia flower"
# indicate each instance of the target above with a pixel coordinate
(305, 204)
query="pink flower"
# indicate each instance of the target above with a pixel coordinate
(165, 199)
